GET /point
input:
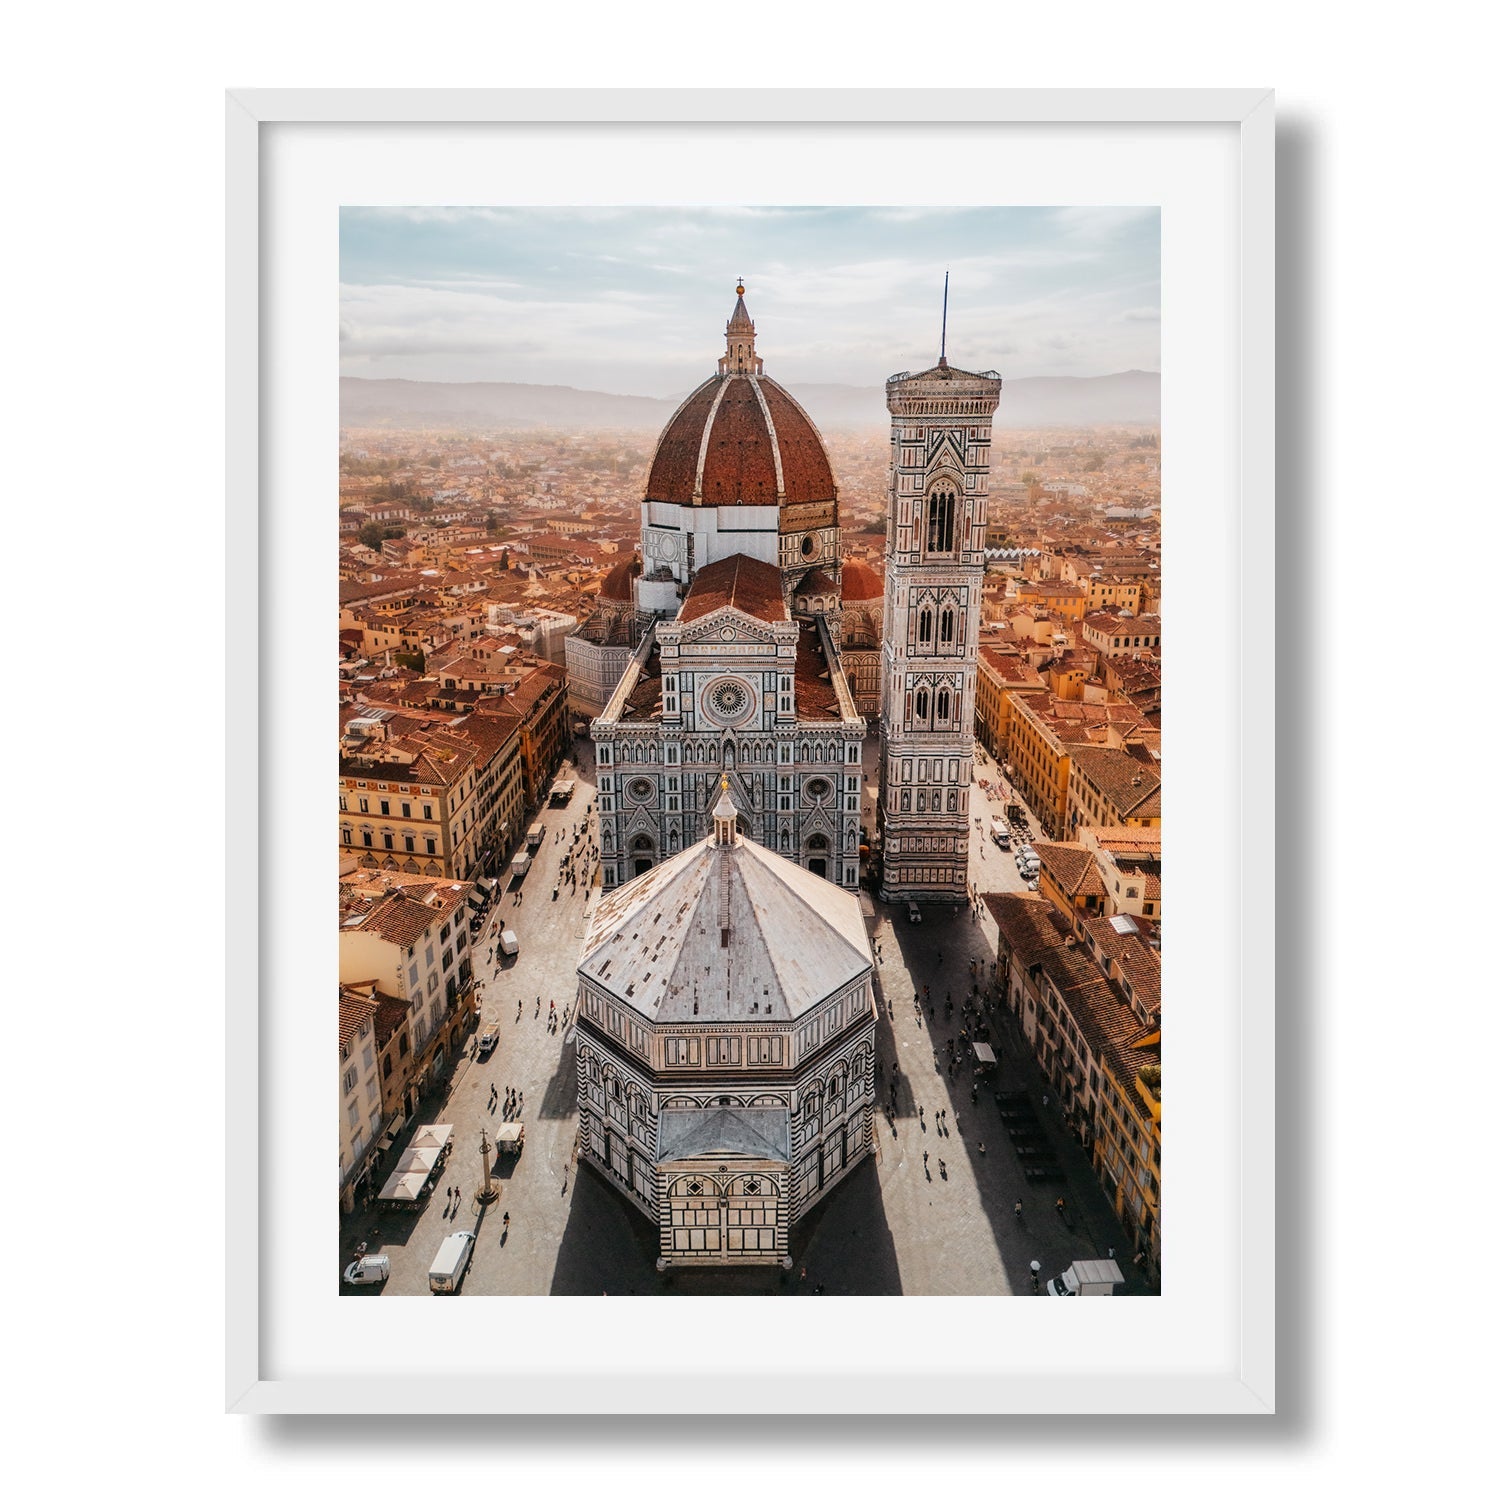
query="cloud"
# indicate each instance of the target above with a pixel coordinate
(634, 299)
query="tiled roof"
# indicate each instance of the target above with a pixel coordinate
(817, 582)
(1072, 867)
(1028, 923)
(740, 582)
(1130, 785)
(658, 943)
(402, 916)
(817, 699)
(354, 1010)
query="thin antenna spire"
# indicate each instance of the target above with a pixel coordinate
(943, 350)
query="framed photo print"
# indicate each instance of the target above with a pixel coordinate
(749, 523)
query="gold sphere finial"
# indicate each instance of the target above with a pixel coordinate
(739, 287)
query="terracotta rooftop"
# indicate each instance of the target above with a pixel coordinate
(1130, 785)
(1072, 867)
(739, 582)
(354, 1010)
(817, 699)
(817, 582)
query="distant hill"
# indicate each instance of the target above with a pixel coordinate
(1037, 401)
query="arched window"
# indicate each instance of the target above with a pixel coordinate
(924, 627)
(922, 704)
(945, 628)
(817, 841)
(940, 521)
(643, 843)
(942, 703)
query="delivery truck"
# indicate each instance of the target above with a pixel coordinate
(1087, 1278)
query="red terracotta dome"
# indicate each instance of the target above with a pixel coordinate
(740, 439)
(616, 585)
(860, 582)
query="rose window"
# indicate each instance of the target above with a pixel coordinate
(729, 699)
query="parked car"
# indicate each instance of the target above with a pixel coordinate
(913, 912)
(367, 1270)
(489, 1040)
(1033, 885)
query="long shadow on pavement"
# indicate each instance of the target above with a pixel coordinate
(1088, 1226)
(610, 1248)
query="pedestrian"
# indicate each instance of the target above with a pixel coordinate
(1060, 1207)
(803, 1277)
(1044, 1101)
(981, 1148)
(1110, 1252)
(1018, 1208)
(924, 1158)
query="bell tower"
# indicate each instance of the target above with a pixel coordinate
(934, 575)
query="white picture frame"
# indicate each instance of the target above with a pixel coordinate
(286, 1355)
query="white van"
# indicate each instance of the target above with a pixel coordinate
(999, 832)
(510, 944)
(447, 1267)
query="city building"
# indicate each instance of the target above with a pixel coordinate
(1110, 788)
(934, 580)
(359, 1093)
(599, 651)
(726, 1029)
(432, 799)
(409, 938)
(1001, 674)
(1087, 995)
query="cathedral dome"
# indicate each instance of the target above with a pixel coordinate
(740, 438)
(861, 582)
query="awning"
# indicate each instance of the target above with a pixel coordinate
(984, 1053)
(476, 901)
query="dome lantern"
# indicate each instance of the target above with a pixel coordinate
(739, 338)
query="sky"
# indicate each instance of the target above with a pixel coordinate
(634, 300)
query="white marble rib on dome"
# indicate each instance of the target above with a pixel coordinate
(794, 938)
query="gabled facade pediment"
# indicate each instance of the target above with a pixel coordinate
(728, 627)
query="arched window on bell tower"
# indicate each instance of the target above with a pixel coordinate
(940, 507)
